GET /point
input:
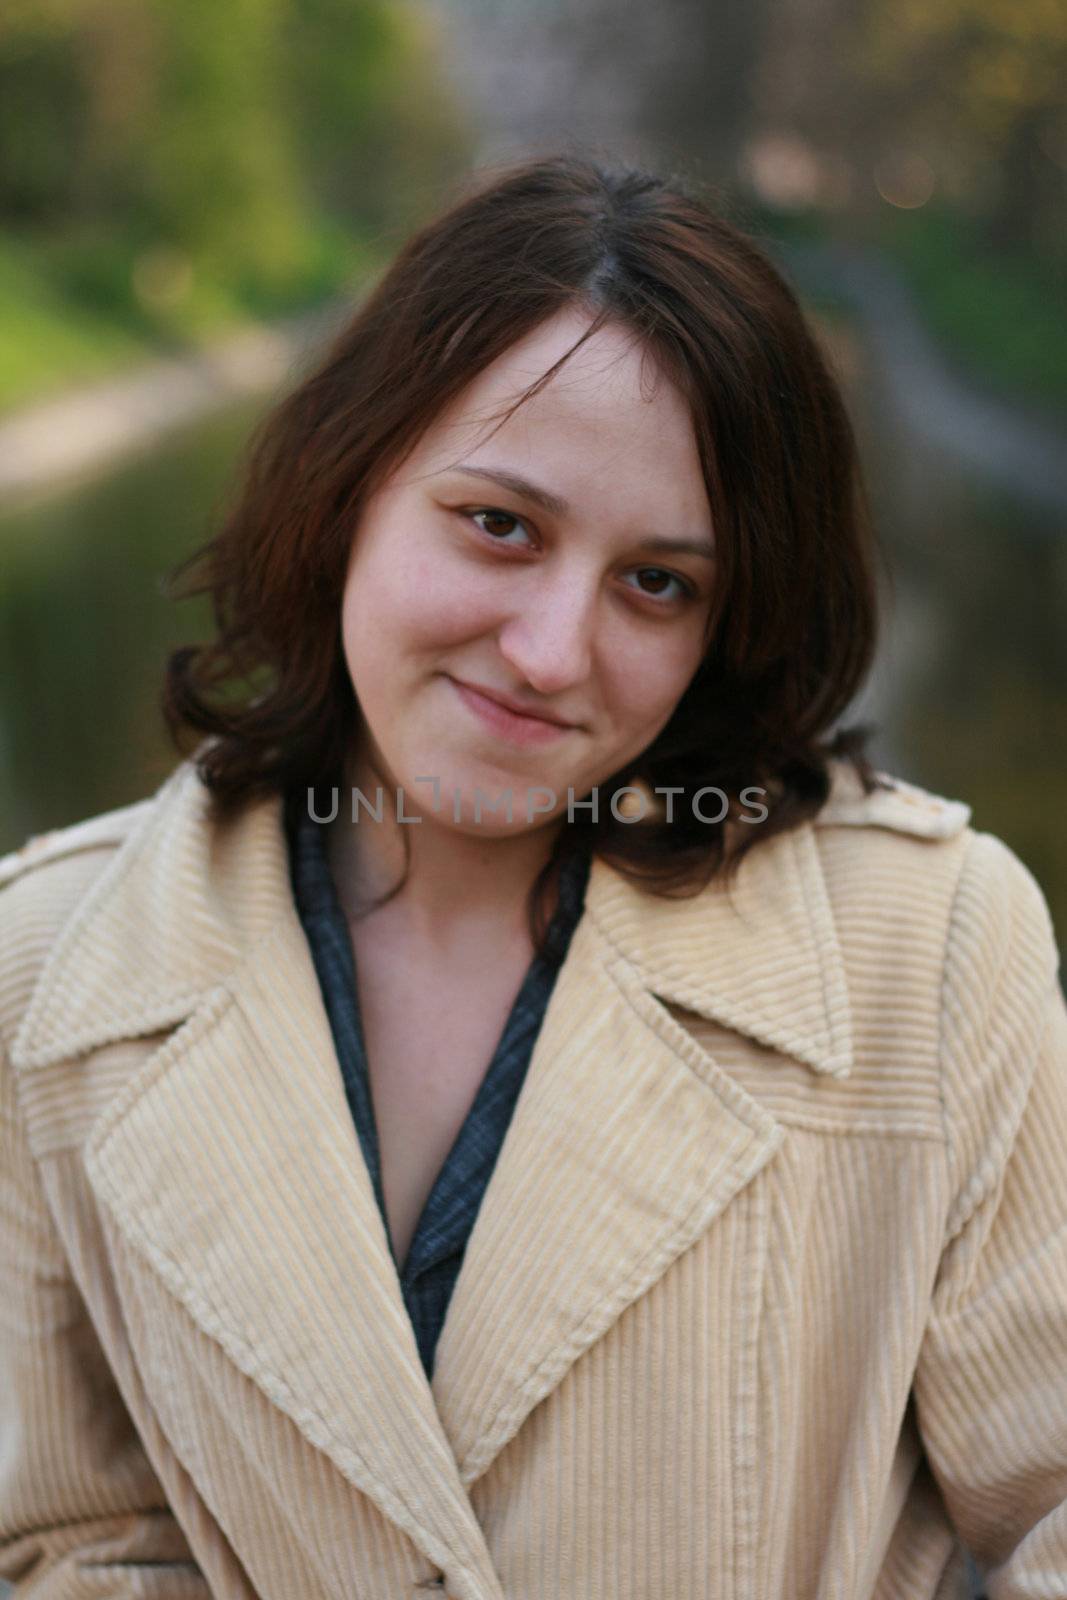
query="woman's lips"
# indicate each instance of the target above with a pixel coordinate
(509, 725)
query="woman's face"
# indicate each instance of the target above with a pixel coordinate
(562, 601)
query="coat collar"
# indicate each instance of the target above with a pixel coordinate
(763, 959)
(230, 1162)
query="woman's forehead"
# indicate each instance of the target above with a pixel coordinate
(611, 360)
(603, 416)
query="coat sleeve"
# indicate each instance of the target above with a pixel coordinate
(991, 1381)
(81, 1512)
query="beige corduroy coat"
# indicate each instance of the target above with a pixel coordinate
(767, 1296)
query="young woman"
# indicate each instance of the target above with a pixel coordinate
(525, 1110)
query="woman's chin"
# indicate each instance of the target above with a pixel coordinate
(491, 803)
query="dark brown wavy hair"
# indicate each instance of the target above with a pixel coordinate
(793, 625)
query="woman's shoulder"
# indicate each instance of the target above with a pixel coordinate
(909, 877)
(42, 883)
(901, 833)
(895, 804)
(61, 860)
(889, 859)
(100, 833)
(108, 925)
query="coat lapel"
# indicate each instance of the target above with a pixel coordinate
(234, 1166)
(627, 1142)
(629, 1139)
(231, 1162)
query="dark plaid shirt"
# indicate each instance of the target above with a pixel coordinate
(436, 1252)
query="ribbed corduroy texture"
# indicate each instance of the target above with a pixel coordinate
(767, 1295)
(435, 1252)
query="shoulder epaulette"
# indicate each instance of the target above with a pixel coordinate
(904, 806)
(107, 828)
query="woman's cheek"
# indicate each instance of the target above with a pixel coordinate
(652, 670)
(455, 600)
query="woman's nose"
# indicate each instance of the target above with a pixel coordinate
(550, 642)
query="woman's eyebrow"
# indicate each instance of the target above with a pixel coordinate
(556, 506)
(553, 503)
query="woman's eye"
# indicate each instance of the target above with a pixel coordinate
(684, 591)
(491, 527)
(497, 517)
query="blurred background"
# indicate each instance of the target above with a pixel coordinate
(192, 191)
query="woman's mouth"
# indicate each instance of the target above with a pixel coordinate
(505, 724)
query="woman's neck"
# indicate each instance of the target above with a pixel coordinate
(455, 882)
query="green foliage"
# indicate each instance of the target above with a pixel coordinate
(976, 86)
(69, 312)
(997, 315)
(376, 137)
(215, 176)
(168, 167)
(45, 338)
(1007, 57)
(1001, 315)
